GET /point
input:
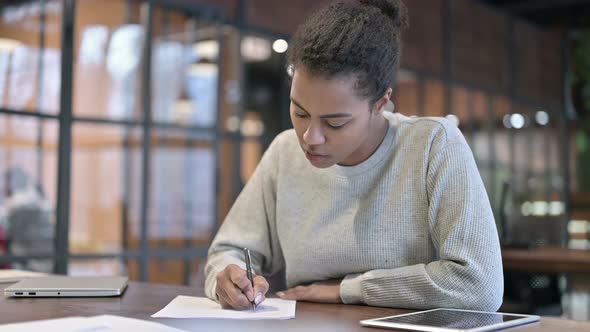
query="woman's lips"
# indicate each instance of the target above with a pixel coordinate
(313, 156)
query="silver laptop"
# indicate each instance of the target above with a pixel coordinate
(63, 286)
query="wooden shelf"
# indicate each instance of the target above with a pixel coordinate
(546, 259)
(580, 199)
(580, 214)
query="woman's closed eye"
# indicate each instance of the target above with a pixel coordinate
(336, 125)
(332, 124)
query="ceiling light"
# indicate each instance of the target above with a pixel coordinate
(280, 46)
(207, 49)
(542, 118)
(517, 121)
(255, 49)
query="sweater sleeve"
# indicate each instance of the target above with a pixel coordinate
(250, 223)
(468, 270)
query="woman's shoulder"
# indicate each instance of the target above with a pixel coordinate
(433, 128)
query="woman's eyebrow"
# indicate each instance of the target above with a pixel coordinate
(297, 104)
(326, 116)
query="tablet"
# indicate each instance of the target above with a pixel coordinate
(451, 320)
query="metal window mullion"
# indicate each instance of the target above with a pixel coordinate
(42, 27)
(237, 182)
(446, 55)
(126, 167)
(188, 207)
(218, 133)
(126, 192)
(33, 114)
(65, 140)
(547, 164)
(564, 134)
(146, 142)
(511, 93)
(161, 205)
(164, 219)
(491, 162)
(187, 253)
(106, 121)
(188, 190)
(529, 133)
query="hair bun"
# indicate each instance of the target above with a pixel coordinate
(394, 9)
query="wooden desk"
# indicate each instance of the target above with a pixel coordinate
(141, 300)
(546, 259)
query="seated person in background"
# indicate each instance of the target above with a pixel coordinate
(358, 204)
(25, 218)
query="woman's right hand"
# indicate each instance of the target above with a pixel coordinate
(234, 290)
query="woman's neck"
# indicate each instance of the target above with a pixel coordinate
(377, 132)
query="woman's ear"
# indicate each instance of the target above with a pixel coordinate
(384, 102)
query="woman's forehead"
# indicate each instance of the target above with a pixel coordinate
(313, 88)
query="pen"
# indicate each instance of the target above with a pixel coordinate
(249, 272)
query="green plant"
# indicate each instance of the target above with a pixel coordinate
(581, 58)
(581, 73)
(581, 95)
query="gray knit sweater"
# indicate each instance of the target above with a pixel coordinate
(410, 227)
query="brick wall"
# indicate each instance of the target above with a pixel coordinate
(422, 42)
(480, 44)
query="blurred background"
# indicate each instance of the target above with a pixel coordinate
(128, 127)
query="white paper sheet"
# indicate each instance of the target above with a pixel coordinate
(12, 276)
(201, 307)
(69, 324)
(104, 323)
(125, 324)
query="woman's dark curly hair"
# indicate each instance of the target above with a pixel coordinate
(352, 37)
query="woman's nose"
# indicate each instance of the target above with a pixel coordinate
(314, 135)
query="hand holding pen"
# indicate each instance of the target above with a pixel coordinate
(249, 273)
(236, 291)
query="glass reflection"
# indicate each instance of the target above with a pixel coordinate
(169, 63)
(4, 61)
(185, 81)
(201, 86)
(104, 188)
(23, 61)
(96, 267)
(183, 192)
(30, 76)
(122, 62)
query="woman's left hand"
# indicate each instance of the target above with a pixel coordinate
(321, 291)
